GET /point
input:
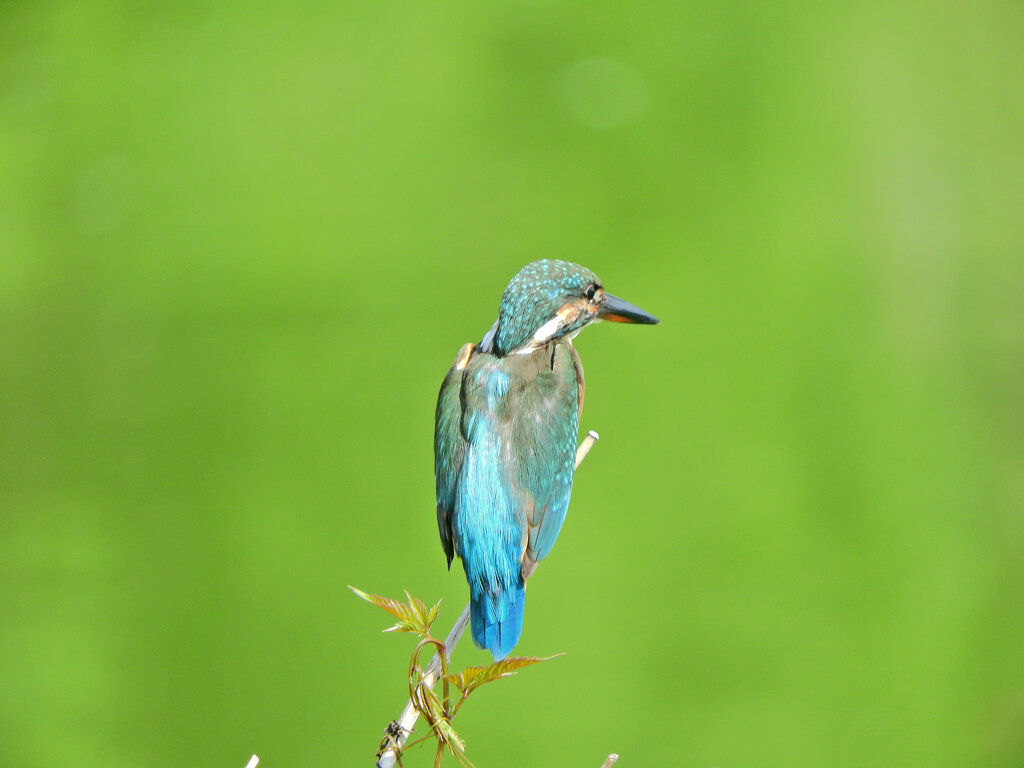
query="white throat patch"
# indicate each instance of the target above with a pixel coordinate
(549, 329)
(540, 337)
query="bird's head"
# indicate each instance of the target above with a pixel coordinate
(550, 299)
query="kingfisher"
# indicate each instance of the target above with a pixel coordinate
(505, 434)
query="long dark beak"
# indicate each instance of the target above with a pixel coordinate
(618, 311)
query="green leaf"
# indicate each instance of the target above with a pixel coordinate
(424, 615)
(417, 606)
(412, 617)
(432, 614)
(472, 678)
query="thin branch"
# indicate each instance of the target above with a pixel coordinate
(407, 720)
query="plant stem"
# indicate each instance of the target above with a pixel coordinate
(409, 715)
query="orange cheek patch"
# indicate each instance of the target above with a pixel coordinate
(567, 313)
(570, 312)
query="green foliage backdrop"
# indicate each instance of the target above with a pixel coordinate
(240, 244)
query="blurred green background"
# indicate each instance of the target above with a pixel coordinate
(241, 243)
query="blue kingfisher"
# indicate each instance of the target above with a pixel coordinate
(505, 438)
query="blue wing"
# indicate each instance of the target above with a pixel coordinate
(547, 446)
(449, 447)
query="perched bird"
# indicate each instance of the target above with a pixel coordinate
(505, 438)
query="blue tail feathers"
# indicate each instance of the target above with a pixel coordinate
(497, 619)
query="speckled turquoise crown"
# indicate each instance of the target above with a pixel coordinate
(533, 297)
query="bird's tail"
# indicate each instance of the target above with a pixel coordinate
(497, 619)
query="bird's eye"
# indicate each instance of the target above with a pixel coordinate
(590, 291)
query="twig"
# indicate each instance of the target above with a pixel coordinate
(585, 445)
(410, 715)
(612, 760)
